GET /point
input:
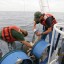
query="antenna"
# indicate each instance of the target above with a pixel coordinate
(42, 6)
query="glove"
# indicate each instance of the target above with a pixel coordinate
(31, 43)
(19, 61)
(30, 48)
(35, 30)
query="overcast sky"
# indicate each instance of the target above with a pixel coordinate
(19, 5)
(56, 5)
(31, 5)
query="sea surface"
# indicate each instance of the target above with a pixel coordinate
(23, 20)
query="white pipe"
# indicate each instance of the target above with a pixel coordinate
(53, 61)
(51, 46)
(59, 25)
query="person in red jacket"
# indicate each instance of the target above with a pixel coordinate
(14, 33)
(48, 21)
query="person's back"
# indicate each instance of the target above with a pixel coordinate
(10, 34)
(7, 34)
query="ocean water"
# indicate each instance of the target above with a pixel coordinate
(24, 20)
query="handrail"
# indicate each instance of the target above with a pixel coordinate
(59, 25)
(59, 31)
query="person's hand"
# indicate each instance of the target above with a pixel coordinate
(30, 48)
(38, 33)
(31, 43)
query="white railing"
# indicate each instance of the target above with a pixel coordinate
(59, 31)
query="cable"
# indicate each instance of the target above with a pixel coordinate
(48, 5)
(41, 6)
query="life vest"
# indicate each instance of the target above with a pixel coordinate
(6, 33)
(45, 17)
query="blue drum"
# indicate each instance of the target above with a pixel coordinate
(39, 48)
(14, 56)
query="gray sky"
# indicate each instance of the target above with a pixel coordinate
(53, 5)
(19, 5)
(56, 5)
(31, 5)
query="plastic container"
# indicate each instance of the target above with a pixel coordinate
(39, 48)
(14, 56)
